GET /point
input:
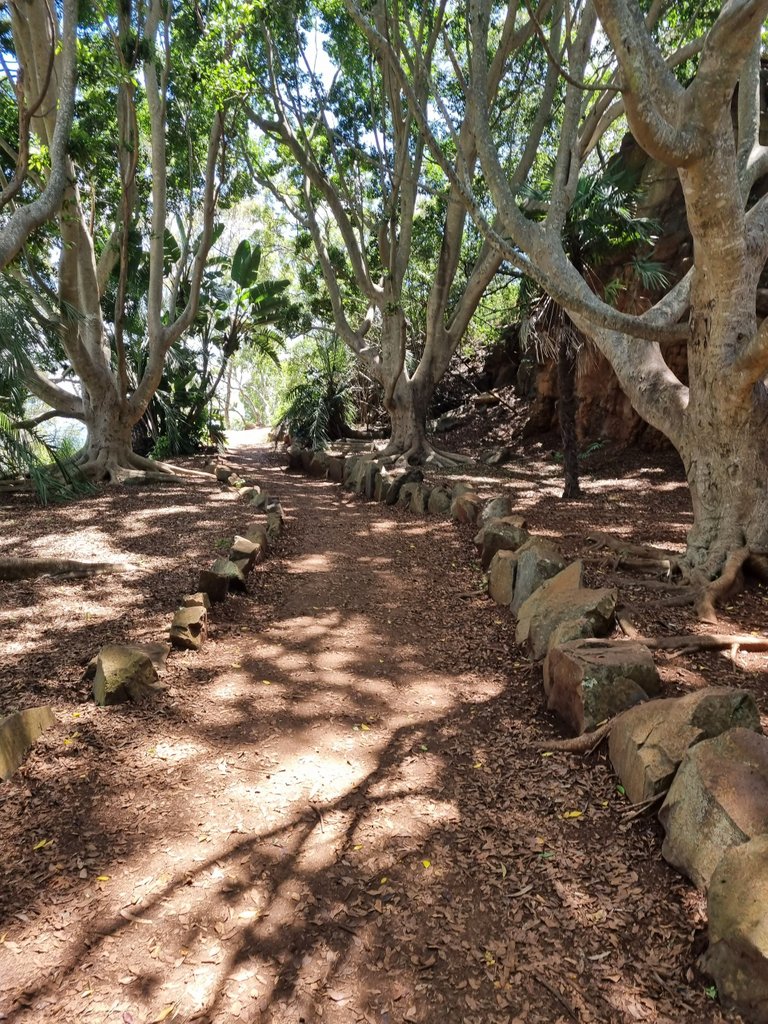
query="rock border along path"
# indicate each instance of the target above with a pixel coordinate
(340, 817)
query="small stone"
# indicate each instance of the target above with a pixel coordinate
(223, 473)
(189, 628)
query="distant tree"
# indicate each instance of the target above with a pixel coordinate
(46, 74)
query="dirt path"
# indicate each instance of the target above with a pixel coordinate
(336, 816)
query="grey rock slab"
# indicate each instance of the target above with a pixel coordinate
(17, 734)
(235, 575)
(537, 562)
(718, 799)
(648, 743)
(737, 906)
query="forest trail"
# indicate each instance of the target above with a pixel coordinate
(340, 818)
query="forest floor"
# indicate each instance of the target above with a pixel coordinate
(336, 812)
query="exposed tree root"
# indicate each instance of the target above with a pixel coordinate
(13, 569)
(598, 539)
(686, 642)
(583, 744)
(130, 468)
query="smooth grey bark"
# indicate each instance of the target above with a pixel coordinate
(105, 405)
(34, 30)
(718, 421)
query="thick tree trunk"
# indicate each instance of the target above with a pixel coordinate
(725, 454)
(566, 407)
(408, 413)
(109, 451)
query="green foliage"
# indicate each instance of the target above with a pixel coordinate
(602, 227)
(318, 398)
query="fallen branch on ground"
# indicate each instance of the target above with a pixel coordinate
(13, 569)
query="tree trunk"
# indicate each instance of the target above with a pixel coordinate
(566, 408)
(408, 413)
(725, 454)
(109, 451)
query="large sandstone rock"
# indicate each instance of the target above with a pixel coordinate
(257, 534)
(400, 479)
(497, 508)
(124, 673)
(406, 493)
(501, 535)
(562, 599)
(439, 501)
(274, 528)
(382, 486)
(420, 499)
(466, 507)
(17, 734)
(336, 468)
(501, 578)
(570, 629)
(294, 456)
(461, 488)
(189, 628)
(588, 681)
(737, 957)
(244, 550)
(718, 799)
(372, 472)
(200, 599)
(318, 465)
(537, 562)
(223, 473)
(648, 743)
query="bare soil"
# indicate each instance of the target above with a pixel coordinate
(336, 812)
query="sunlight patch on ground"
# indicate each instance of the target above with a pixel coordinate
(309, 563)
(180, 750)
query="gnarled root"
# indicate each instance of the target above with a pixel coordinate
(130, 468)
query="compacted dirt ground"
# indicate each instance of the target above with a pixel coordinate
(336, 812)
